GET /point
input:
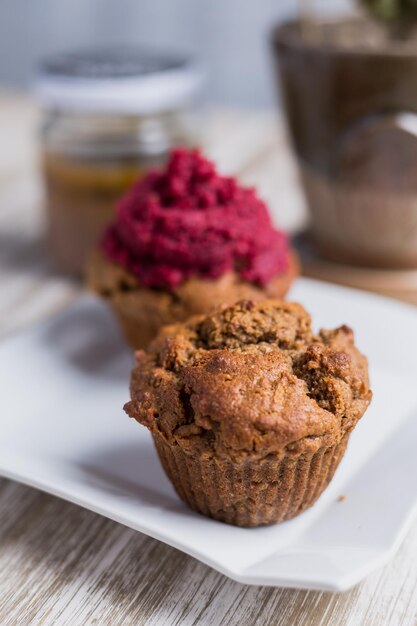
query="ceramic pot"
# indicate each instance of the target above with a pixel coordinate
(352, 114)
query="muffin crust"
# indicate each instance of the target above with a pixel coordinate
(142, 311)
(251, 380)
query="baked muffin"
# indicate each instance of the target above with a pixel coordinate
(250, 411)
(184, 241)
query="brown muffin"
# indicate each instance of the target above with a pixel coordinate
(141, 312)
(250, 411)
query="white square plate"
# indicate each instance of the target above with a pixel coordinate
(62, 429)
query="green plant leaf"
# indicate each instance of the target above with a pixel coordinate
(401, 11)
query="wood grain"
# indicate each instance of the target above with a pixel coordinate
(60, 564)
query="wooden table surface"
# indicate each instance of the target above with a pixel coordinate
(60, 564)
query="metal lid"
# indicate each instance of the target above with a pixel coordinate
(123, 80)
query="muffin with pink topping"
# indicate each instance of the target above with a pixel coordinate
(186, 240)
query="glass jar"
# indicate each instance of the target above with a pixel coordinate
(108, 117)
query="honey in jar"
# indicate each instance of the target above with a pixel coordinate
(108, 117)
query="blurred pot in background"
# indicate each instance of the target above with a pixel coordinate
(108, 117)
(350, 91)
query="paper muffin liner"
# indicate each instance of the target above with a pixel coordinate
(138, 329)
(253, 492)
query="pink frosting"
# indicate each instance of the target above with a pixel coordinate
(187, 220)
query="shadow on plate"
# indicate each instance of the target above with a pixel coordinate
(88, 338)
(133, 471)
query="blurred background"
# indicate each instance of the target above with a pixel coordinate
(230, 38)
(321, 118)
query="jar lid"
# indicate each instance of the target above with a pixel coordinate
(125, 80)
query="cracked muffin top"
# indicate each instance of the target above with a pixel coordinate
(250, 379)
